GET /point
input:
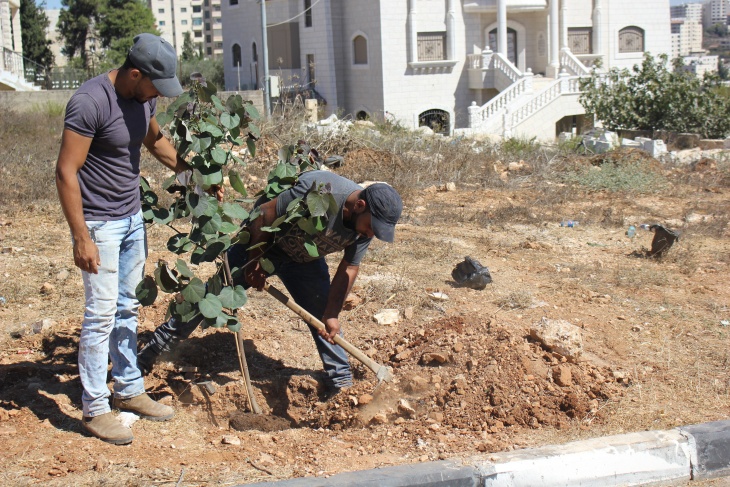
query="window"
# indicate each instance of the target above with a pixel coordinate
(431, 46)
(207, 38)
(197, 21)
(580, 40)
(206, 15)
(160, 10)
(236, 55)
(183, 9)
(232, 2)
(198, 33)
(161, 23)
(308, 13)
(284, 46)
(511, 43)
(184, 22)
(360, 50)
(310, 69)
(197, 9)
(216, 8)
(219, 45)
(631, 39)
(209, 51)
(207, 26)
(217, 21)
(436, 120)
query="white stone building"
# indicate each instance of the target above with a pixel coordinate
(12, 64)
(701, 64)
(201, 18)
(509, 67)
(688, 11)
(716, 12)
(686, 37)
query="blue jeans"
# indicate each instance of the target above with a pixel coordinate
(308, 284)
(109, 329)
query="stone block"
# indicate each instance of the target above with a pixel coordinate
(709, 144)
(711, 442)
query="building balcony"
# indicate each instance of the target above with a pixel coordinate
(481, 6)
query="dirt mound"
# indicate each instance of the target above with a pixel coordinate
(465, 375)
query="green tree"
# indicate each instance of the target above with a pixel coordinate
(120, 21)
(211, 69)
(76, 25)
(33, 25)
(653, 97)
(188, 49)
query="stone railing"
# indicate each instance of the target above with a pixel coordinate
(473, 61)
(13, 63)
(570, 62)
(502, 64)
(564, 85)
(481, 117)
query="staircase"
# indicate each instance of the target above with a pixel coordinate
(18, 73)
(529, 106)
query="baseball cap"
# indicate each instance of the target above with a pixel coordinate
(156, 59)
(385, 208)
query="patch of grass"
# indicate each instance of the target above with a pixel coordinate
(632, 177)
(515, 300)
(49, 108)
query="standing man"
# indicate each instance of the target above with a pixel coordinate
(360, 215)
(97, 176)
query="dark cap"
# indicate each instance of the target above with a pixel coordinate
(156, 59)
(385, 208)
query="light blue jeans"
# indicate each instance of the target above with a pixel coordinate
(109, 329)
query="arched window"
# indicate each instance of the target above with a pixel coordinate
(360, 50)
(631, 39)
(436, 120)
(236, 55)
(254, 54)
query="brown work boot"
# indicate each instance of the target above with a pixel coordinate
(144, 406)
(108, 428)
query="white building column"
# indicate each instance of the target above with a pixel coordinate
(598, 28)
(564, 26)
(502, 27)
(450, 30)
(412, 31)
(554, 40)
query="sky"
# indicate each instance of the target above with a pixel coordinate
(54, 4)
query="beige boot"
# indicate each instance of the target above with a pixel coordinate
(108, 428)
(144, 406)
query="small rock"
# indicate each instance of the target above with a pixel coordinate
(563, 376)
(63, 275)
(450, 186)
(436, 416)
(471, 364)
(559, 336)
(415, 384)
(439, 296)
(387, 317)
(231, 440)
(352, 301)
(365, 399)
(458, 347)
(404, 407)
(8, 430)
(408, 312)
(379, 418)
(429, 357)
(101, 464)
(404, 355)
(42, 326)
(47, 288)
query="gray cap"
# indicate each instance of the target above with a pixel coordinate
(385, 207)
(156, 59)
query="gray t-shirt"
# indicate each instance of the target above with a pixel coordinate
(336, 236)
(109, 178)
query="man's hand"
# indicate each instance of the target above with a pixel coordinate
(332, 329)
(86, 255)
(256, 276)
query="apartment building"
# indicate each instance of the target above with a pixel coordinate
(496, 66)
(716, 12)
(201, 18)
(689, 11)
(686, 37)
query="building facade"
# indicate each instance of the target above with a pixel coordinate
(686, 37)
(688, 11)
(716, 12)
(448, 64)
(200, 18)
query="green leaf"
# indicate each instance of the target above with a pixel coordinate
(183, 269)
(242, 238)
(199, 144)
(307, 225)
(233, 324)
(254, 130)
(211, 129)
(185, 309)
(206, 92)
(214, 248)
(219, 155)
(217, 103)
(148, 215)
(228, 227)
(251, 111)
(266, 265)
(162, 216)
(163, 118)
(179, 244)
(251, 144)
(318, 204)
(166, 279)
(215, 284)
(311, 248)
(210, 306)
(235, 211)
(146, 291)
(206, 177)
(209, 225)
(319, 223)
(198, 205)
(230, 121)
(194, 291)
(233, 298)
(237, 183)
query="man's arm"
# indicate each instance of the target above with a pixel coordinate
(339, 289)
(162, 149)
(255, 274)
(71, 158)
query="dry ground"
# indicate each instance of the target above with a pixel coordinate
(655, 334)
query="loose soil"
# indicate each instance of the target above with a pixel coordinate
(468, 377)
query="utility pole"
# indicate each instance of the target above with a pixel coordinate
(265, 44)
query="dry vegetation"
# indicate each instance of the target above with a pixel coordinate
(655, 331)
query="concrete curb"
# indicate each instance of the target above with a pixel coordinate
(699, 451)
